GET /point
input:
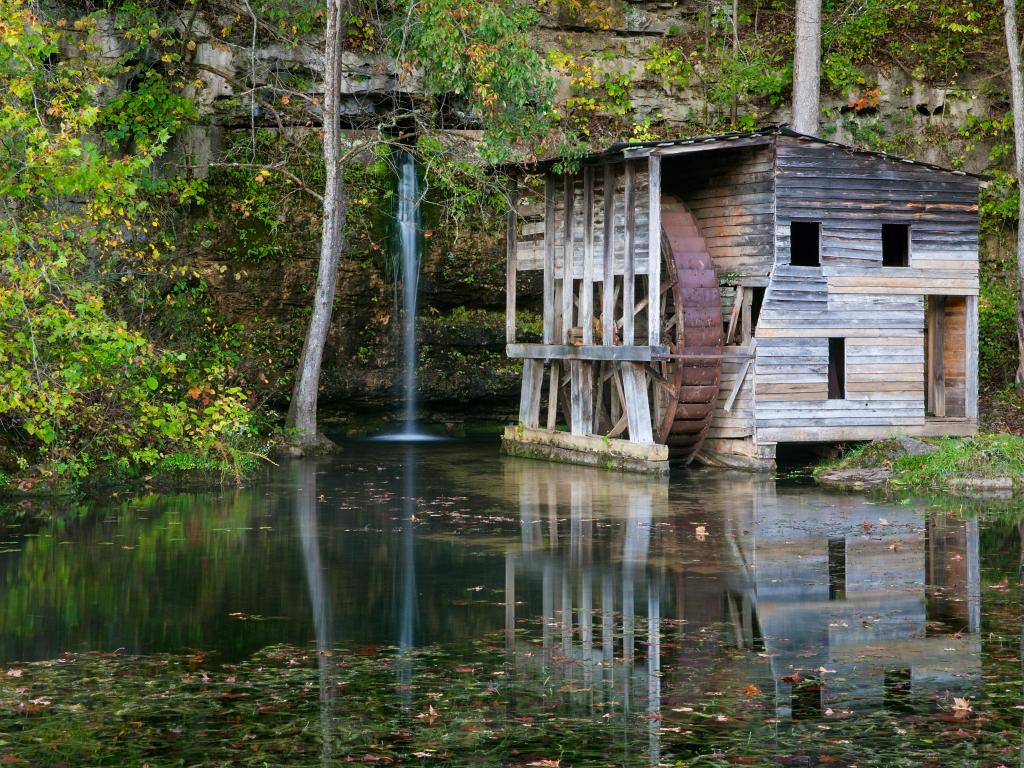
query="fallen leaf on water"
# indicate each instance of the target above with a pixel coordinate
(15, 672)
(752, 690)
(546, 763)
(961, 705)
(701, 533)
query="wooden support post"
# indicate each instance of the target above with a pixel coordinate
(529, 398)
(654, 252)
(638, 411)
(587, 284)
(936, 362)
(553, 395)
(608, 259)
(628, 276)
(511, 263)
(581, 374)
(746, 318)
(568, 257)
(971, 359)
(549, 259)
(734, 316)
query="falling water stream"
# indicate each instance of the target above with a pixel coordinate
(407, 252)
(408, 221)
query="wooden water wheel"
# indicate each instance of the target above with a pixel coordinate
(682, 387)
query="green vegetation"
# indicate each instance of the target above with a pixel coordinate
(982, 457)
(89, 380)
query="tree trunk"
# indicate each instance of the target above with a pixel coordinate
(1017, 91)
(302, 411)
(807, 67)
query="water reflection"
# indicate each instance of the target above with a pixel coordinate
(624, 599)
(306, 514)
(855, 605)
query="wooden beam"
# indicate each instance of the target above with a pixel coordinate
(529, 397)
(586, 308)
(549, 259)
(581, 374)
(510, 262)
(971, 361)
(608, 256)
(654, 252)
(638, 410)
(568, 256)
(734, 316)
(553, 395)
(712, 146)
(738, 385)
(586, 352)
(628, 276)
(936, 362)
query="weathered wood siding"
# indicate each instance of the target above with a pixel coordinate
(530, 241)
(729, 191)
(738, 377)
(878, 310)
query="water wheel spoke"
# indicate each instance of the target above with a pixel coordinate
(658, 379)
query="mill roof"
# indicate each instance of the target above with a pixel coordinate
(734, 139)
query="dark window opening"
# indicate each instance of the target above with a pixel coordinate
(837, 569)
(804, 243)
(836, 369)
(895, 245)
(756, 300)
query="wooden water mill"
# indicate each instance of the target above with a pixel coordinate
(721, 295)
(631, 355)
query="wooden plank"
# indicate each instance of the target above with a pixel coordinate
(529, 397)
(553, 379)
(716, 145)
(608, 256)
(586, 307)
(549, 259)
(585, 352)
(736, 388)
(591, 444)
(860, 432)
(581, 375)
(510, 264)
(734, 316)
(629, 254)
(653, 253)
(971, 362)
(638, 412)
(936, 364)
(569, 248)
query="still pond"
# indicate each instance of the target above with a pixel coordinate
(437, 604)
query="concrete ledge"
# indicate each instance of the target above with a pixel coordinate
(588, 450)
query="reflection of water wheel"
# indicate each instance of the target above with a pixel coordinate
(683, 388)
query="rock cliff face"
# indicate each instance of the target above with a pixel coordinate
(260, 266)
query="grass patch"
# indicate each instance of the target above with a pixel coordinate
(984, 456)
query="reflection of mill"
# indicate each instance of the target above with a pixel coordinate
(600, 591)
(870, 605)
(625, 592)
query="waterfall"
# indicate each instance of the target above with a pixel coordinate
(408, 220)
(406, 263)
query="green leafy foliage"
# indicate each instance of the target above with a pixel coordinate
(83, 383)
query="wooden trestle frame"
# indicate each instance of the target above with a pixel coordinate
(638, 369)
